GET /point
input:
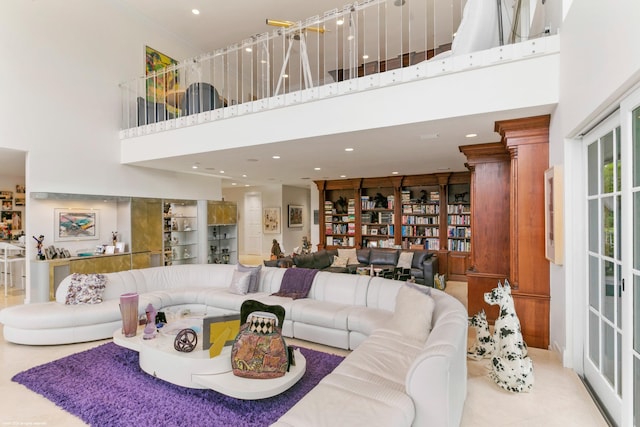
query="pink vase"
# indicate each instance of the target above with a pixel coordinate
(129, 312)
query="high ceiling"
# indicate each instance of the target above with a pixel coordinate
(220, 24)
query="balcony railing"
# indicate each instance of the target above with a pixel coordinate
(361, 46)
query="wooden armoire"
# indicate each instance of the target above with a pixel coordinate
(507, 202)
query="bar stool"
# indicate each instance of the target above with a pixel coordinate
(9, 255)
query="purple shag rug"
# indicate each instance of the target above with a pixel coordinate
(105, 386)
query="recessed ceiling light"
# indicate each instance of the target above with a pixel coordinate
(343, 176)
(316, 169)
(195, 11)
(275, 157)
(244, 175)
(221, 171)
(394, 173)
(471, 135)
(351, 37)
(247, 185)
(348, 149)
(365, 56)
(234, 183)
(284, 76)
(263, 61)
(195, 166)
(340, 21)
(248, 49)
(429, 136)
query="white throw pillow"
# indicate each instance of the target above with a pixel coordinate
(339, 262)
(350, 254)
(413, 313)
(240, 282)
(405, 259)
(254, 282)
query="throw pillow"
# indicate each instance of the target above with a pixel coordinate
(86, 289)
(351, 254)
(404, 260)
(413, 313)
(254, 282)
(340, 262)
(240, 282)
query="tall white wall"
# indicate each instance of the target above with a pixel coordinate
(62, 64)
(292, 236)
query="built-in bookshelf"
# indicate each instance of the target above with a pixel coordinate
(378, 220)
(459, 218)
(430, 211)
(340, 221)
(421, 217)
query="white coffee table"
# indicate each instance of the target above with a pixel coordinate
(197, 370)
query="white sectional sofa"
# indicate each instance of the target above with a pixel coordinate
(389, 379)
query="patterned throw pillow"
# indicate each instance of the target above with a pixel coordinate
(262, 324)
(86, 289)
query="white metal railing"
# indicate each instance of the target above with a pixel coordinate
(301, 61)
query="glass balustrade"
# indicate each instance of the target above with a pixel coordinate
(363, 45)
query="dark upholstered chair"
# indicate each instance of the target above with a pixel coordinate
(151, 112)
(202, 97)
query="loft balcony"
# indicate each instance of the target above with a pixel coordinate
(363, 46)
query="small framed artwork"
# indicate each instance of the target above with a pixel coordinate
(12, 218)
(553, 214)
(76, 224)
(271, 221)
(295, 216)
(7, 205)
(6, 195)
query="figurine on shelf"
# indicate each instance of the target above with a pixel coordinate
(39, 241)
(276, 252)
(306, 245)
(174, 225)
(114, 237)
(150, 328)
(185, 225)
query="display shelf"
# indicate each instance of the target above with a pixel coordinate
(180, 232)
(222, 244)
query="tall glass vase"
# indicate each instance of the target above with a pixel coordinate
(129, 312)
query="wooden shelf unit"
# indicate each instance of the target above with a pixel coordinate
(411, 212)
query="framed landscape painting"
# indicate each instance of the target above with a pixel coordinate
(295, 216)
(76, 224)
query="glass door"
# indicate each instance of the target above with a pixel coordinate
(604, 335)
(634, 364)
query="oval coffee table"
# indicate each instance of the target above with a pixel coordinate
(197, 370)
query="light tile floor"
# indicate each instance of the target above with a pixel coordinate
(558, 398)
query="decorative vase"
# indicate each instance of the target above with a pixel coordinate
(129, 312)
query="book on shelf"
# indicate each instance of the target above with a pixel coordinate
(434, 196)
(329, 241)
